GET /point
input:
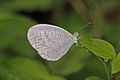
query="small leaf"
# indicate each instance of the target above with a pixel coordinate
(93, 78)
(118, 56)
(116, 64)
(100, 48)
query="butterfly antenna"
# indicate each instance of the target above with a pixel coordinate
(84, 26)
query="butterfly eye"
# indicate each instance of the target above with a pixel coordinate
(76, 34)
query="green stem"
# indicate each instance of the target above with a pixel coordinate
(82, 9)
(105, 66)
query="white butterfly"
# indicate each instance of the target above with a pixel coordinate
(51, 42)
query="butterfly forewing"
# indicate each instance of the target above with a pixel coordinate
(50, 41)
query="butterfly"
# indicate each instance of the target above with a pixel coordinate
(50, 41)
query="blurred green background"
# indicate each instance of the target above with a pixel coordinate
(19, 61)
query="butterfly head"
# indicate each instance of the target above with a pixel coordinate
(75, 37)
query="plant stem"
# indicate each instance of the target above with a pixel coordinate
(105, 66)
(82, 9)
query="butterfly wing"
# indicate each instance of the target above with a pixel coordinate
(50, 41)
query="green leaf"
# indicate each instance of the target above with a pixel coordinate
(54, 77)
(116, 64)
(100, 48)
(118, 56)
(28, 69)
(93, 78)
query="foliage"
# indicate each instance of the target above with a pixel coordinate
(101, 48)
(93, 78)
(96, 58)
